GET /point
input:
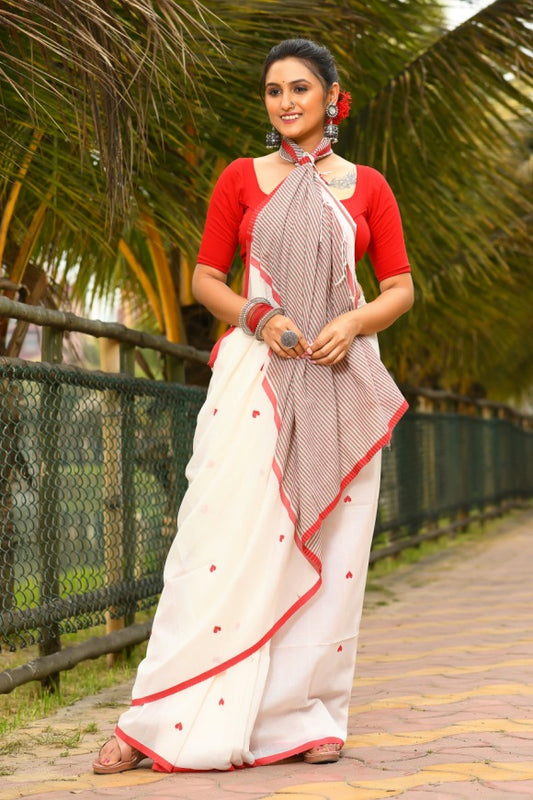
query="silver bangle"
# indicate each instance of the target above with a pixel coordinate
(263, 321)
(245, 310)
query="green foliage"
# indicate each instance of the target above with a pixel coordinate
(446, 115)
(93, 74)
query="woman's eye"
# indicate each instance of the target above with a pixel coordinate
(273, 92)
(300, 89)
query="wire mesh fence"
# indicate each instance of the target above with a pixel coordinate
(445, 466)
(92, 473)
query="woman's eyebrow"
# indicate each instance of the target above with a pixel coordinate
(298, 80)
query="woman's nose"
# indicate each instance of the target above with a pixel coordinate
(286, 102)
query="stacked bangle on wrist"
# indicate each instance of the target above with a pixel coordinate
(264, 319)
(246, 309)
(255, 314)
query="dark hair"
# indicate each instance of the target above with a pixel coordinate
(316, 57)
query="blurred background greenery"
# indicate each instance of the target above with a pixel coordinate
(117, 117)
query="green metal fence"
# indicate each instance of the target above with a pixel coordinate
(445, 469)
(92, 473)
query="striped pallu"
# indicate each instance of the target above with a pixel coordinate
(331, 420)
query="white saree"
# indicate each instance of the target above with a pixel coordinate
(253, 645)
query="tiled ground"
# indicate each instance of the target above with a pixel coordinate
(442, 705)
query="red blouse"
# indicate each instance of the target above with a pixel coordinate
(372, 206)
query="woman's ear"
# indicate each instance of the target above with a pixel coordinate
(333, 94)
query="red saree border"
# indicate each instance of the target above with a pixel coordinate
(162, 765)
(378, 445)
(262, 762)
(214, 352)
(230, 662)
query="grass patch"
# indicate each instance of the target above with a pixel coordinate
(27, 703)
(7, 748)
(52, 738)
(92, 727)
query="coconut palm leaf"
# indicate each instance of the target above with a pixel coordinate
(444, 114)
(96, 72)
(444, 129)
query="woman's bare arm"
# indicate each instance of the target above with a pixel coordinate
(211, 290)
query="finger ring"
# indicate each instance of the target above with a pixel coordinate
(289, 339)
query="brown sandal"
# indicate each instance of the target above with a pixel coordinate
(122, 764)
(325, 753)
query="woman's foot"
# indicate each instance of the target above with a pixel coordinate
(323, 754)
(116, 756)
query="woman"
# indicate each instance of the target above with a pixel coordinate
(253, 647)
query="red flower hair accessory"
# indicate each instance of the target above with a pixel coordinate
(344, 101)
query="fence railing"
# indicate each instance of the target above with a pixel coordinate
(92, 473)
(446, 469)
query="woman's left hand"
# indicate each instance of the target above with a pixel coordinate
(335, 339)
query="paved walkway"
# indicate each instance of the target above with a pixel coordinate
(442, 702)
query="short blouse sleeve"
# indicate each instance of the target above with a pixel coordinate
(224, 215)
(386, 247)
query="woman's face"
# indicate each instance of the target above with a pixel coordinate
(296, 101)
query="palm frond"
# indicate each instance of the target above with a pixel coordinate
(96, 72)
(447, 116)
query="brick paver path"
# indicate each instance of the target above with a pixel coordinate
(442, 705)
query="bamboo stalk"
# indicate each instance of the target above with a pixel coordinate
(19, 334)
(29, 241)
(174, 325)
(40, 668)
(127, 460)
(112, 483)
(49, 499)
(9, 208)
(185, 278)
(144, 280)
(65, 320)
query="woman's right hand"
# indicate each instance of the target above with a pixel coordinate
(273, 331)
(210, 289)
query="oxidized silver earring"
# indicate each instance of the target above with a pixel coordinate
(273, 139)
(331, 131)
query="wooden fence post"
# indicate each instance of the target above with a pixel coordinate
(127, 459)
(49, 539)
(112, 483)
